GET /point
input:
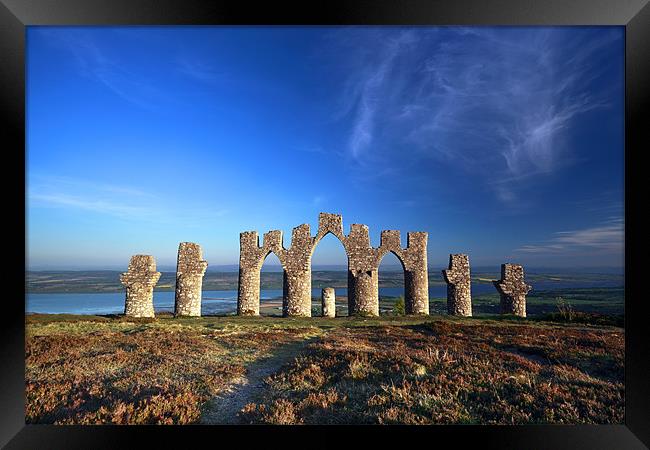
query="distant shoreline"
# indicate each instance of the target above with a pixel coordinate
(87, 282)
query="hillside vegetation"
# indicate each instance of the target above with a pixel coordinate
(392, 369)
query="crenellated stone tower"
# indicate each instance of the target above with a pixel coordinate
(363, 263)
(512, 289)
(190, 268)
(139, 281)
(459, 286)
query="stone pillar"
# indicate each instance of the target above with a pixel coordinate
(296, 262)
(416, 274)
(416, 288)
(139, 281)
(512, 289)
(248, 298)
(190, 268)
(328, 300)
(251, 258)
(363, 275)
(363, 293)
(296, 293)
(459, 294)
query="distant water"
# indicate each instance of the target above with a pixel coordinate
(222, 302)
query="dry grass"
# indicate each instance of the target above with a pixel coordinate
(451, 372)
(386, 370)
(130, 373)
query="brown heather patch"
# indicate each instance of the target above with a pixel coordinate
(134, 373)
(449, 371)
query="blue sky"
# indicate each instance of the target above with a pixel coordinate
(502, 142)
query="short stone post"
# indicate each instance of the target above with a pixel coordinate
(139, 281)
(512, 289)
(328, 299)
(459, 286)
(190, 269)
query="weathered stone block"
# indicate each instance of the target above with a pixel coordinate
(190, 269)
(330, 223)
(273, 241)
(249, 239)
(359, 236)
(328, 300)
(139, 281)
(391, 240)
(301, 236)
(417, 239)
(459, 296)
(512, 289)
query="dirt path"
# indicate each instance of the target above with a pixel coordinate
(224, 408)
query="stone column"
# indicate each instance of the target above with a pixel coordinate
(139, 281)
(416, 274)
(190, 269)
(363, 293)
(251, 257)
(296, 262)
(416, 288)
(363, 274)
(328, 300)
(296, 293)
(459, 294)
(248, 298)
(512, 289)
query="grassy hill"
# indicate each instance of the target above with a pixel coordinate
(391, 369)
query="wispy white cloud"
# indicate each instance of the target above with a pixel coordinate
(200, 70)
(46, 182)
(606, 237)
(315, 149)
(122, 202)
(95, 63)
(370, 93)
(120, 210)
(496, 104)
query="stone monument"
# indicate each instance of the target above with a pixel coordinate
(363, 264)
(190, 269)
(139, 281)
(328, 300)
(512, 289)
(459, 286)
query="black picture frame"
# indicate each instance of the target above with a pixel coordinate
(16, 15)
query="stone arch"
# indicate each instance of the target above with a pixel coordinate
(334, 241)
(380, 258)
(317, 240)
(251, 258)
(391, 242)
(363, 262)
(414, 264)
(270, 269)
